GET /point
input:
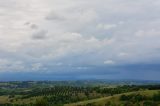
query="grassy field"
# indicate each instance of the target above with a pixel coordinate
(17, 100)
(115, 98)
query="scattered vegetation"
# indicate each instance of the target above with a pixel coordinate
(59, 94)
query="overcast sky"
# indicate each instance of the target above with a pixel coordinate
(79, 39)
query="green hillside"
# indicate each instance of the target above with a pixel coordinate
(50, 94)
(115, 100)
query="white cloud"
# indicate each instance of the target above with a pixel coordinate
(59, 64)
(148, 33)
(37, 66)
(10, 65)
(106, 26)
(82, 68)
(123, 54)
(109, 62)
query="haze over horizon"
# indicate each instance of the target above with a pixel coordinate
(79, 39)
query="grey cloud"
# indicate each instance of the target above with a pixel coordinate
(31, 25)
(40, 35)
(27, 23)
(54, 16)
(34, 26)
(98, 32)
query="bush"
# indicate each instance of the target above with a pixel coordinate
(41, 102)
(156, 97)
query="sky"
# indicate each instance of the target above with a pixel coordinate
(79, 39)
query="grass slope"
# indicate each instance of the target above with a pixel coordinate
(115, 98)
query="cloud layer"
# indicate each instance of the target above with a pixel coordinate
(59, 36)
